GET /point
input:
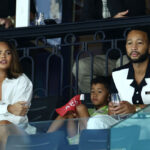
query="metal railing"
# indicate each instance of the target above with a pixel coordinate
(50, 66)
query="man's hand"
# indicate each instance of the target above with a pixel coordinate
(123, 107)
(121, 14)
(19, 108)
(6, 22)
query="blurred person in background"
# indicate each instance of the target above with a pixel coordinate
(7, 12)
(126, 8)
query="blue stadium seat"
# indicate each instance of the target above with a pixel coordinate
(43, 109)
(94, 139)
(109, 139)
(124, 137)
(142, 144)
(45, 141)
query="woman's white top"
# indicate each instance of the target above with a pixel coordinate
(15, 90)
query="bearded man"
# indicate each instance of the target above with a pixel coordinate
(132, 81)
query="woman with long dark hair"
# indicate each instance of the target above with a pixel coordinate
(15, 88)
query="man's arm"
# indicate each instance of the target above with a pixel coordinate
(121, 14)
(124, 108)
(116, 9)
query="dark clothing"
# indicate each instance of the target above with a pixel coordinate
(92, 10)
(8, 8)
(124, 83)
(135, 7)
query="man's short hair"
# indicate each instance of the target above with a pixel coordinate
(145, 29)
(105, 80)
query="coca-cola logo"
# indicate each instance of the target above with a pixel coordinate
(72, 103)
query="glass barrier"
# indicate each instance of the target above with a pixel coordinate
(62, 134)
(133, 132)
(100, 132)
(7, 129)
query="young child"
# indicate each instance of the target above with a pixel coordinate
(99, 97)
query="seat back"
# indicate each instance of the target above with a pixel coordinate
(46, 141)
(94, 139)
(142, 144)
(124, 137)
(43, 109)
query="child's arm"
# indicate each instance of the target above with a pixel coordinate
(83, 114)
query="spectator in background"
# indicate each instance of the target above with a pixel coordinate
(94, 10)
(126, 8)
(7, 12)
(100, 9)
(147, 6)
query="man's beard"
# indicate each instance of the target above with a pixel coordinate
(141, 59)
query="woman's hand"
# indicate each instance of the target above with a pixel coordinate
(19, 109)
